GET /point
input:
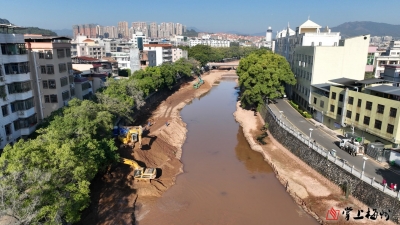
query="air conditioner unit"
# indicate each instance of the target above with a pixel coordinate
(2, 79)
(21, 113)
(72, 85)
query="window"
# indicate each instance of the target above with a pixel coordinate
(332, 108)
(348, 114)
(19, 87)
(68, 52)
(41, 55)
(47, 99)
(350, 101)
(7, 128)
(340, 98)
(69, 66)
(71, 79)
(72, 91)
(65, 95)
(393, 112)
(64, 81)
(359, 103)
(60, 53)
(16, 68)
(17, 125)
(378, 124)
(53, 99)
(357, 117)
(315, 100)
(4, 110)
(62, 67)
(43, 69)
(380, 109)
(52, 84)
(366, 120)
(321, 104)
(339, 110)
(48, 55)
(22, 105)
(86, 86)
(45, 84)
(50, 69)
(390, 128)
(333, 95)
(368, 106)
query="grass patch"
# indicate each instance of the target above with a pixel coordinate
(303, 113)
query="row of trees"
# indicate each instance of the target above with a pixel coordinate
(46, 180)
(263, 74)
(205, 53)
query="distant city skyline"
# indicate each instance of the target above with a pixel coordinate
(208, 16)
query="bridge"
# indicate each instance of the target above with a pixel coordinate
(233, 64)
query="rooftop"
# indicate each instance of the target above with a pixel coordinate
(324, 86)
(345, 81)
(309, 24)
(391, 90)
(372, 81)
(157, 45)
(392, 66)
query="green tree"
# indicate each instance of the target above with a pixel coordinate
(263, 74)
(65, 157)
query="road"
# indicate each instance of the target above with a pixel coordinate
(372, 168)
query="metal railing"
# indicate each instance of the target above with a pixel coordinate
(326, 153)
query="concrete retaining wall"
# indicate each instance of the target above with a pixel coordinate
(361, 190)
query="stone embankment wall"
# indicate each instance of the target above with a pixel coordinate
(361, 190)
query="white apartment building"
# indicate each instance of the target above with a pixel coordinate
(16, 95)
(178, 53)
(210, 42)
(83, 46)
(390, 57)
(317, 56)
(138, 40)
(123, 59)
(158, 53)
(51, 70)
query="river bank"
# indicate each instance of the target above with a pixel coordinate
(313, 192)
(115, 198)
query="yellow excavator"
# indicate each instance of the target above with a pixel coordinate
(129, 134)
(140, 173)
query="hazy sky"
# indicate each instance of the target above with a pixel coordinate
(245, 16)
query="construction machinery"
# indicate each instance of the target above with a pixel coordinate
(140, 173)
(129, 134)
(199, 83)
(352, 146)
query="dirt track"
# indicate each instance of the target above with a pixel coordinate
(116, 199)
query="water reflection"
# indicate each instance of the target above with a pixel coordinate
(253, 160)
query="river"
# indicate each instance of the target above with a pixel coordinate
(224, 181)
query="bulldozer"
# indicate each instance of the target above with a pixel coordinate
(129, 134)
(140, 173)
(199, 83)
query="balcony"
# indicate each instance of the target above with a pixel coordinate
(28, 130)
(26, 113)
(20, 96)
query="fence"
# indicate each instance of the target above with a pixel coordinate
(362, 187)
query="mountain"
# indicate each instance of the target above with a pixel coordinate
(63, 32)
(30, 30)
(351, 29)
(193, 28)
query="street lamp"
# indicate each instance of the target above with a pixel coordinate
(310, 132)
(280, 117)
(362, 173)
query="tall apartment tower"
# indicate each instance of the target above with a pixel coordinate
(52, 75)
(75, 30)
(18, 119)
(178, 29)
(268, 36)
(123, 29)
(153, 30)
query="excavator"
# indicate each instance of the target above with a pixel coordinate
(140, 173)
(199, 83)
(129, 134)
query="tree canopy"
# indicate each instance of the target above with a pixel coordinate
(263, 74)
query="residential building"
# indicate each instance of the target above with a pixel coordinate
(138, 40)
(317, 56)
(110, 32)
(268, 38)
(96, 77)
(153, 30)
(369, 108)
(88, 30)
(83, 46)
(123, 59)
(158, 53)
(51, 72)
(178, 53)
(18, 118)
(390, 56)
(179, 29)
(123, 29)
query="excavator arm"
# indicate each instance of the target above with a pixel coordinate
(130, 162)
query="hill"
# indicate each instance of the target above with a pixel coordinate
(351, 29)
(30, 30)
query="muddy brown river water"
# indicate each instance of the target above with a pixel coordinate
(224, 181)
